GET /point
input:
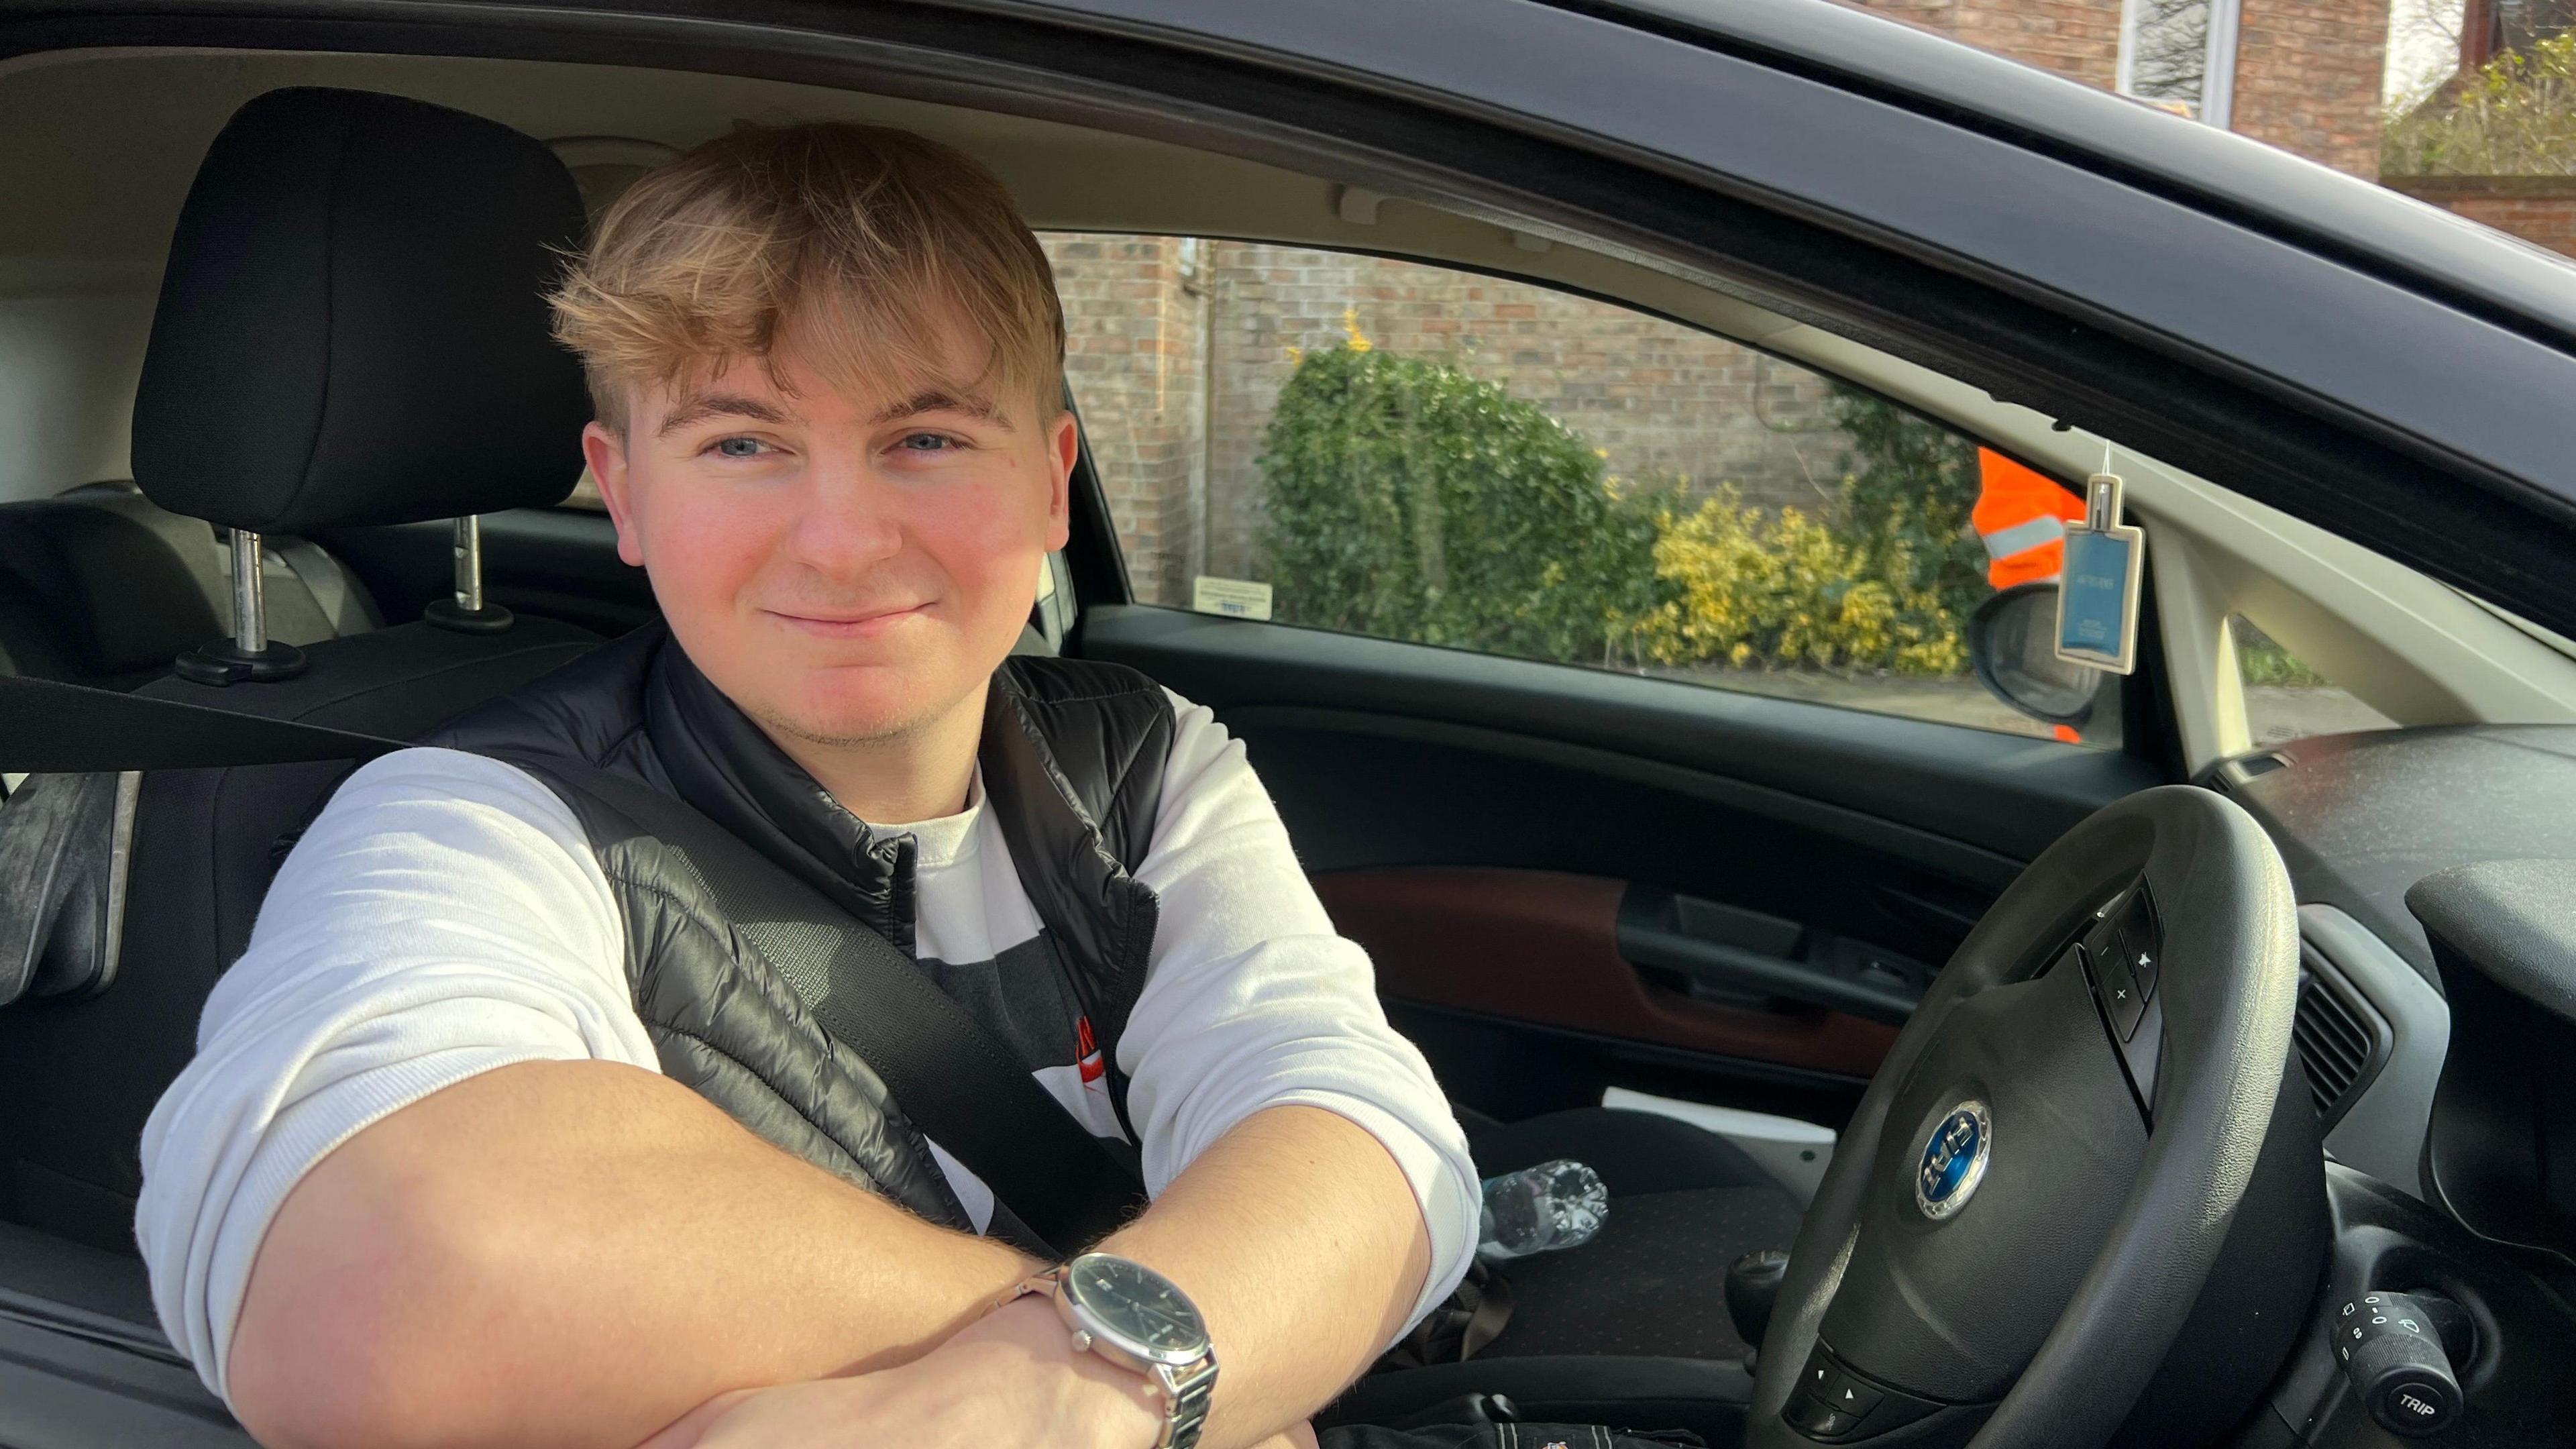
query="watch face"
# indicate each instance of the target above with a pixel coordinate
(1138, 1308)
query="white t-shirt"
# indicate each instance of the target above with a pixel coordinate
(445, 916)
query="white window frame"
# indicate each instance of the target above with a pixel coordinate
(2218, 72)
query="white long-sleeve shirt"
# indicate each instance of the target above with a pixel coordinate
(445, 916)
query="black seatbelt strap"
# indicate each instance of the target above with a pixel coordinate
(961, 1085)
(51, 728)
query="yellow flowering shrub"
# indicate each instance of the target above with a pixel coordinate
(1747, 589)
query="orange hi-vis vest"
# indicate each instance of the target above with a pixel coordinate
(2022, 516)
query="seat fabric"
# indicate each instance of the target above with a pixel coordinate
(1685, 1203)
(1631, 1329)
(80, 1075)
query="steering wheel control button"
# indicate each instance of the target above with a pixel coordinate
(2139, 948)
(1953, 1159)
(1837, 1388)
(2391, 1348)
(1835, 1405)
(2120, 995)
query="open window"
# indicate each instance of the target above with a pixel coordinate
(1440, 456)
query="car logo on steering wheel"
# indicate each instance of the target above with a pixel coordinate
(1953, 1160)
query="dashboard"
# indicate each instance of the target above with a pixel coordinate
(2436, 870)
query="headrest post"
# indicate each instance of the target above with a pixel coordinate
(466, 612)
(250, 609)
(469, 563)
(249, 655)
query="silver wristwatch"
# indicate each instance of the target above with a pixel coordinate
(1139, 1320)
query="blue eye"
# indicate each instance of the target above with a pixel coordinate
(929, 443)
(739, 447)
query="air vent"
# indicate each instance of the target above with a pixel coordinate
(2341, 1040)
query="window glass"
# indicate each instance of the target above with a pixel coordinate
(1430, 455)
(2287, 700)
(2164, 53)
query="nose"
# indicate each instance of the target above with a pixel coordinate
(848, 519)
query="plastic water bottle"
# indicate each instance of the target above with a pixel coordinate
(1542, 1209)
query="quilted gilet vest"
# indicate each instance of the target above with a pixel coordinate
(1072, 757)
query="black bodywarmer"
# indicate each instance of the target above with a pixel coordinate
(1073, 755)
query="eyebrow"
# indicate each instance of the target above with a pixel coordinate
(941, 400)
(718, 405)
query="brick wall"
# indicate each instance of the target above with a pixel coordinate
(2308, 72)
(1135, 327)
(2539, 209)
(2078, 39)
(2308, 75)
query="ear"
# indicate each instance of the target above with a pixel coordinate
(606, 454)
(1064, 448)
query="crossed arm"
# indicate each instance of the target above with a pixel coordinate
(584, 1254)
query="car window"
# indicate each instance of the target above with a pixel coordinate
(2285, 698)
(1431, 455)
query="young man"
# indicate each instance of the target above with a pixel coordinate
(483, 1141)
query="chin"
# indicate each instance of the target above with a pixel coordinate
(879, 704)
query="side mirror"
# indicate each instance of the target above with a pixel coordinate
(2011, 645)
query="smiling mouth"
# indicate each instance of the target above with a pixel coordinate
(848, 626)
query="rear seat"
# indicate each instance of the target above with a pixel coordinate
(99, 586)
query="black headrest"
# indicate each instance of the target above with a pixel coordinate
(352, 328)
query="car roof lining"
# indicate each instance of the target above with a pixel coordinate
(1066, 177)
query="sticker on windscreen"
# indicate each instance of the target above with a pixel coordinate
(1240, 598)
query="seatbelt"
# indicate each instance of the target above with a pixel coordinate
(962, 1086)
(51, 728)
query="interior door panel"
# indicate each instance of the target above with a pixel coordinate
(1543, 947)
(1572, 878)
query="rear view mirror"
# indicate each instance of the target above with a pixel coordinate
(2012, 644)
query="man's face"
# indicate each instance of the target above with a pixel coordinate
(844, 568)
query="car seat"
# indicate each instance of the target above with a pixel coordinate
(101, 586)
(351, 331)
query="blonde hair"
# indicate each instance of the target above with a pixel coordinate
(855, 242)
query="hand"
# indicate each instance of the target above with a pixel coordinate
(1010, 1378)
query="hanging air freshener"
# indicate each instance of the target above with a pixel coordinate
(2097, 597)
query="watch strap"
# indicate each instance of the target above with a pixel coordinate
(1187, 1390)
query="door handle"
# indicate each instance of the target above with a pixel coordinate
(1735, 952)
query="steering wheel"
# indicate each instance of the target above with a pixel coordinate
(2028, 1201)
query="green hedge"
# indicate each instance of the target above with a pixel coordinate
(1410, 500)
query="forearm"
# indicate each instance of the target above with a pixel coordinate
(575, 1254)
(1300, 1240)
